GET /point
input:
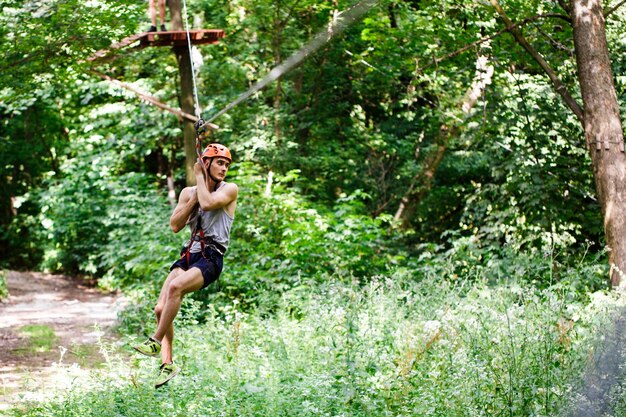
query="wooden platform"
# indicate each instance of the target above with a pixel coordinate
(179, 38)
(167, 38)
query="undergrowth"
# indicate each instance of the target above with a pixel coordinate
(396, 346)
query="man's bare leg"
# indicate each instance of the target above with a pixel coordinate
(168, 339)
(152, 12)
(178, 286)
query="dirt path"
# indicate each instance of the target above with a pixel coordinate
(50, 329)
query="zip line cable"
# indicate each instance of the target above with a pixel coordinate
(196, 102)
(339, 23)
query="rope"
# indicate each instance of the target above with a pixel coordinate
(198, 125)
(193, 70)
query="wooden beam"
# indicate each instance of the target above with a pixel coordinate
(168, 38)
(151, 99)
(179, 37)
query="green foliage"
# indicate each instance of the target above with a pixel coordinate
(112, 227)
(32, 142)
(467, 258)
(4, 291)
(281, 240)
(413, 343)
(45, 44)
(96, 219)
(362, 116)
(535, 195)
(365, 114)
(41, 337)
(483, 305)
(44, 91)
(139, 247)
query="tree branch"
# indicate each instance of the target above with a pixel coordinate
(610, 11)
(557, 45)
(565, 6)
(558, 85)
(490, 37)
(150, 98)
(283, 22)
(422, 181)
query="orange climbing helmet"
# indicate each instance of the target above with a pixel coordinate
(216, 149)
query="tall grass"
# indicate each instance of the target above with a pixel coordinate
(394, 347)
(4, 291)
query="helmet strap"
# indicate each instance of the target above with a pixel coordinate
(208, 170)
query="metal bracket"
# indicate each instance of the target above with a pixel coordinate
(607, 144)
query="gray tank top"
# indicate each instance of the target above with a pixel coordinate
(215, 224)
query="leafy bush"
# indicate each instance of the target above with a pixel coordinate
(281, 241)
(122, 234)
(96, 215)
(467, 257)
(140, 245)
(538, 195)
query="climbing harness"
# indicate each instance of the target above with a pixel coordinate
(204, 242)
(198, 235)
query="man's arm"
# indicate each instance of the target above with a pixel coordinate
(216, 199)
(186, 202)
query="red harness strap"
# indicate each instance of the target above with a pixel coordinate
(188, 251)
(197, 235)
(194, 233)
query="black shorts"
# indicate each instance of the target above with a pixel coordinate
(210, 264)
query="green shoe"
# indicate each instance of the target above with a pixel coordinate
(150, 347)
(168, 371)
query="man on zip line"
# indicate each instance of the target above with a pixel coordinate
(209, 210)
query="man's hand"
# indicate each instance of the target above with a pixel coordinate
(198, 168)
(201, 175)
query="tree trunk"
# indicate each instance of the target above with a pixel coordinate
(186, 104)
(603, 128)
(176, 20)
(186, 92)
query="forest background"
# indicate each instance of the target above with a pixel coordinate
(418, 231)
